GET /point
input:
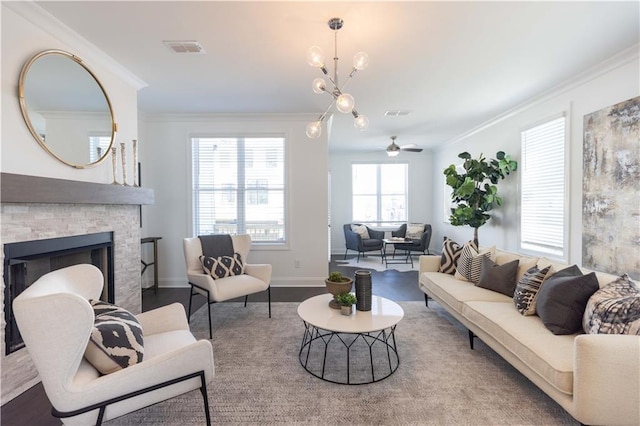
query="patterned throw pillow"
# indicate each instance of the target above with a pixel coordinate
(614, 309)
(415, 231)
(470, 262)
(223, 266)
(361, 230)
(116, 340)
(524, 297)
(450, 255)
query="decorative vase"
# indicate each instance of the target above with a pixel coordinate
(123, 151)
(337, 288)
(363, 290)
(346, 310)
(134, 142)
(114, 165)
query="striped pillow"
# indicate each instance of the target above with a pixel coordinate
(450, 255)
(470, 262)
(527, 289)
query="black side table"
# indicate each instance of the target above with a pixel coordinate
(145, 265)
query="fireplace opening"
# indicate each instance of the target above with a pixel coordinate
(26, 261)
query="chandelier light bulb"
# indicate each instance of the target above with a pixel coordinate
(361, 122)
(314, 129)
(360, 61)
(319, 85)
(315, 57)
(345, 103)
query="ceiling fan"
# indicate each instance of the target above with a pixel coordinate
(394, 149)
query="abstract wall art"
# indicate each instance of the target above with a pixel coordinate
(611, 189)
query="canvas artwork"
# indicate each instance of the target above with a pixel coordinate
(611, 189)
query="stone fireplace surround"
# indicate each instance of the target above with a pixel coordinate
(35, 208)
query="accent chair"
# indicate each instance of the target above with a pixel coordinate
(420, 244)
(58, 324)
(256, 277)
(355, 241)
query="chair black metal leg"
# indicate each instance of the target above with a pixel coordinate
(345, 254)
(269, 296)
(471, 337)
(210, 331)
(203, 390)
(190, 299)
(426, 300)
(245, 300)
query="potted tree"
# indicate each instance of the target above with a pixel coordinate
(346, 302)
(475, 191)
(337, 284)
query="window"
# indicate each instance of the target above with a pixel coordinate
(542, 195)
(379, 193)
(98, 146)
(235, 188)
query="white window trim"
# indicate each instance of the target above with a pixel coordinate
(567, 190)
(255, 246)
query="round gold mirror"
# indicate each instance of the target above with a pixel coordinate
(66, 108)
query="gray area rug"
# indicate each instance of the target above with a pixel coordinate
(440, 381)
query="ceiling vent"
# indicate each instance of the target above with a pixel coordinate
(184, 46)
(396, 113)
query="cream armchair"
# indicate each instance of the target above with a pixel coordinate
(55, 320)
(256, 277)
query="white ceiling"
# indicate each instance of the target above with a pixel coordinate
(454, 65)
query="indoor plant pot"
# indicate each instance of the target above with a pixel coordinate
(346, 302)
(337, 284)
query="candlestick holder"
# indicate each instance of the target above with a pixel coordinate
(135, 162)
(123, 152)
(114, 165)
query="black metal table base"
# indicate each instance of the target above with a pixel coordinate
(383, 360)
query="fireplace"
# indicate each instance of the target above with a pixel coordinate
(26, 261)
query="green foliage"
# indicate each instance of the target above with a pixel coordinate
(346, 299)
(336, 277)
(475, 191)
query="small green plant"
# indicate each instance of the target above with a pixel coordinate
(346, 299)
(337, 277)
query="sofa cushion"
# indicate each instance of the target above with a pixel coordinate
(526, 291)
(562, 299)
(450, 255)
(500, 278)
(454, 292)
(361, 230)
(526, 339)
(223, 266)
(614, 309)
(470, 262)
(116, 340)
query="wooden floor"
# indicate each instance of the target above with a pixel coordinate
(33, 408)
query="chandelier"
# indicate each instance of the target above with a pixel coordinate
(344, 102)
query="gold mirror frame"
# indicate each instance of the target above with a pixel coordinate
(40, 138)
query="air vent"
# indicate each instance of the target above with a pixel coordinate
(184, 46)
(396, 113)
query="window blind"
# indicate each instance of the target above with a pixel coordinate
(542, 195)
(239, 187)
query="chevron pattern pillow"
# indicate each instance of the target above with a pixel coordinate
(450, 255)
(116, 340)
(223, 266)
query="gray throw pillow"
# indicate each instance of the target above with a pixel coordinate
(563, 298)
(500, 278)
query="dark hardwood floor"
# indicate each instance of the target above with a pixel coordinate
(33, 408)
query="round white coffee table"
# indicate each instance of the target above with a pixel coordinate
(364, 335)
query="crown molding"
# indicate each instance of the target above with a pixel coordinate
(618, 60)
(91, 53)
(227, 117)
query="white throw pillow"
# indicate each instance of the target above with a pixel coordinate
(362, 230)
(415, 231)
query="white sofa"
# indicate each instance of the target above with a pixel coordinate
(594, 377)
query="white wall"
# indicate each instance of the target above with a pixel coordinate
(165, 156)
(27, 30)
(612, 82)
(421, 189)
